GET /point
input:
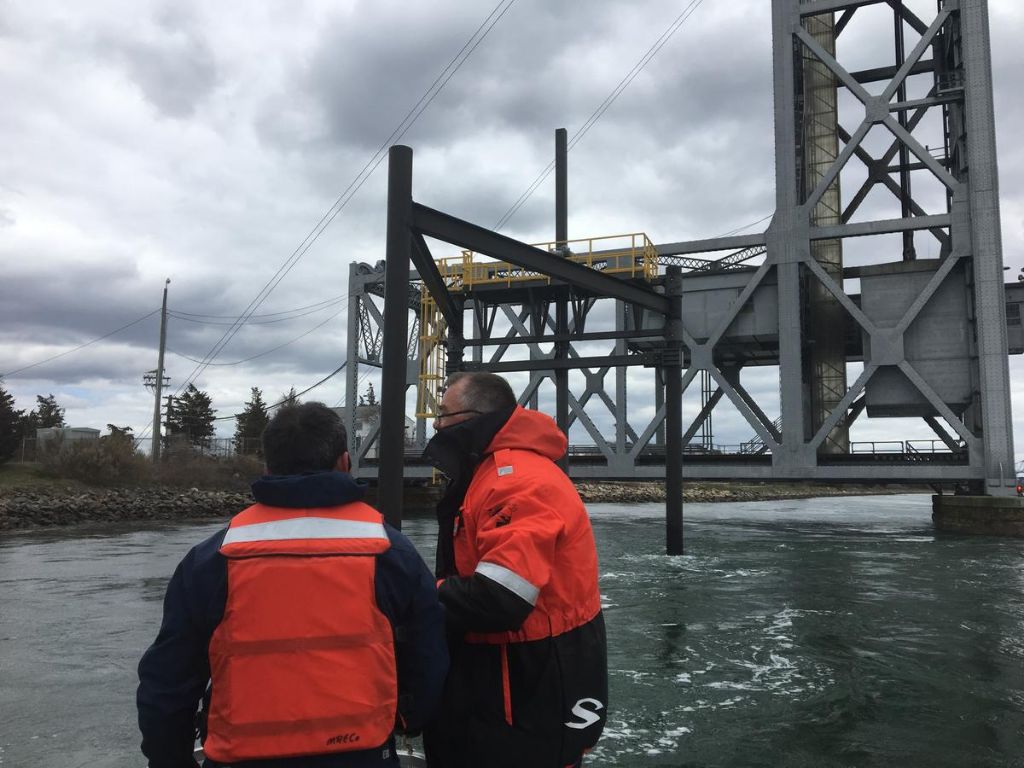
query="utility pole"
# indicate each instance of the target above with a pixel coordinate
(159, 377)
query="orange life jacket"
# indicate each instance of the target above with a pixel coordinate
(524, 525)
(303, 662)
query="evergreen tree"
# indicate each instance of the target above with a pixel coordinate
(28, 423)
(191, 415)
(249, 424)
(46, 414)
(120, 435)
(289, 399)
(10, 426)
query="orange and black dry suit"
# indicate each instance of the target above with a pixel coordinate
(528, 684)
(317, 624)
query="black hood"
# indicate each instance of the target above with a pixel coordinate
(457, 451)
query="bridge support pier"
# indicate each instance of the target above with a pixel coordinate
(986, 515)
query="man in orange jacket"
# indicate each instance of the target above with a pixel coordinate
(528, 684)
(317, 625)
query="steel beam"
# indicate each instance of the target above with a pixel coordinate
(732, 243)
(886, 74)
(426, 269)
(814, 7)
(561, 351)
(567, 337)
(550, 364)
(672, 374)
(396, 328)
(884, 227)
(475, 238)
(987, 249)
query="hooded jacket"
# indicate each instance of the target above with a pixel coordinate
(528, 684)
(175, 670)
(524, 528)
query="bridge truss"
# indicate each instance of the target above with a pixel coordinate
(835, 288)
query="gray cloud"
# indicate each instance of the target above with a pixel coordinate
(365, 77)
(269, 127)
(174, 67)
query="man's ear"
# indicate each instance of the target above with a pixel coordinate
(344, 463)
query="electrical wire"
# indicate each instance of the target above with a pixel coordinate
(439, 83)
(272, 349)
(340, 404)
(297, 395)
(80, 346)
(746, 226)
(332, 300)
(250, 322)
(145, 431)
(216, 319)
(604, 106)
(362, 377)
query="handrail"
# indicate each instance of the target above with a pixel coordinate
(636, 256)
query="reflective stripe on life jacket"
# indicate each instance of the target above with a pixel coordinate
(304, 528)
(303, 662)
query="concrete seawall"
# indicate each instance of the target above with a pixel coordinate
(985, 515)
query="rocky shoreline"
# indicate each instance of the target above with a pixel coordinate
(707, 492)
(43, 508)
(46, 507)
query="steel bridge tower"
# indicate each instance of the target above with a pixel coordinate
(887, 302)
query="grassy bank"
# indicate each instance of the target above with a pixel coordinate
(18, 476)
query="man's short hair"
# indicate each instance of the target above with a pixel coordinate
(308, 437)
(484, 392)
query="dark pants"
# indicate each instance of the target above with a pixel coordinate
(472, 728)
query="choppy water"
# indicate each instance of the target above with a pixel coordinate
(818, 632)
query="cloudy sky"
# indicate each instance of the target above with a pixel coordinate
(203, 142)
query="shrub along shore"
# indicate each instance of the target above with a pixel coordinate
(53, 504)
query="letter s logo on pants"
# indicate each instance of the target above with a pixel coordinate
(586, 717)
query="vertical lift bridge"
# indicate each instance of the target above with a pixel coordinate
(925, 337)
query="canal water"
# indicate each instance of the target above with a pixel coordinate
(817, 632)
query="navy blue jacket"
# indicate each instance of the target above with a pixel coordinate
(175, 671)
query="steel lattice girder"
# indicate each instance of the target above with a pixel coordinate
(788, 266)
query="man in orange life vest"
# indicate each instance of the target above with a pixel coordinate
(528, 685)
(317, 625)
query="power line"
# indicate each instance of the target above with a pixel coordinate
(362, 377)
(291, 397)
(603, 107)
(325, 302)
(196, 321)
(454, 65)
(272, 349)
(81, 346)
(212, 319)
(746, 226)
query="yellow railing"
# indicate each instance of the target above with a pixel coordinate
(631, 254)
(432, 358)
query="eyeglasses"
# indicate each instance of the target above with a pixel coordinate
(440, 416)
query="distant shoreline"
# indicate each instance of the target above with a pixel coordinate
(732, 490)
(38, 506)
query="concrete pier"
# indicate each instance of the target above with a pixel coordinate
(986, 515)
